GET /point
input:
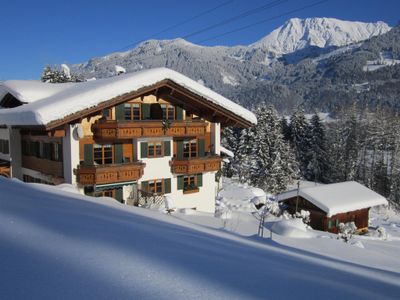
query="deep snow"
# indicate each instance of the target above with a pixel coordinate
(55, 244)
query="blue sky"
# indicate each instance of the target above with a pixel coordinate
(36, 33)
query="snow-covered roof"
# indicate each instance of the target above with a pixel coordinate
(338, 198)
(228, 153)
(49, 102)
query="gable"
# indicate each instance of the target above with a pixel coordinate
(9, 101)
(166, 91)
(84, 99)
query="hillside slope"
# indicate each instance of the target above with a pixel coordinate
(56, 244)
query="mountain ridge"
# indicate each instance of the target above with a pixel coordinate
(250, 75)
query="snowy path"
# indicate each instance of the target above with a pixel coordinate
(59, 245)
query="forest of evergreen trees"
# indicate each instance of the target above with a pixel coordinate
(359, 144)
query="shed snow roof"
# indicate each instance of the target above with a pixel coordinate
(49, 102)
(338, 198)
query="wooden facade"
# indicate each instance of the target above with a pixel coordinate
(319, 219)
(195, 165)
(114, 130)
(113, 173)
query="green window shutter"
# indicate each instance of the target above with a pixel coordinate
(330, 224)
(167, 148)
(167, 185)
(179, 149)
(143, 149)
(180, 182)
(119, 195)
(144, 186)
(202, 151)
(88, 154)
(145, 111)
(118, 154)
(199, 180)
(119, 112)
(337, 222)
(179, 113)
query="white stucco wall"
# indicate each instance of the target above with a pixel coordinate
(216, 137)
(70, 154)
(158, 168)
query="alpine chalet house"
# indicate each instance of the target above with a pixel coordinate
(332, 204)
(148, 133)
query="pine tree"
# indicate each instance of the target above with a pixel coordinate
(301, 142)
(54, 75)
(273, 165)
(285, 129)
(244, 156)
(318, 168)
(231, 140)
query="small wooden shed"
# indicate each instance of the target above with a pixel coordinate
(332, 204)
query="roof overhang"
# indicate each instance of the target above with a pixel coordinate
(170, 91)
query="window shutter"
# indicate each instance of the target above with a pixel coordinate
(88, 154)
(119, 112)
(199, 180)
(179, 149)
(167, 148)
(144, 186)
(330, 224)
(118, 154)
(180, 182)
(143, 149)
(145, 111)
(179, 113)
(119, 195)
(202, 151)
(167, 185)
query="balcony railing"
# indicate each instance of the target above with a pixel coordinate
(195, 165)
(107, 130)
(113, 173)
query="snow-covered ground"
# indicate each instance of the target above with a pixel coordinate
(57, 244)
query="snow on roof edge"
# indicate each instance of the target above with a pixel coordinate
(70, 96)
(338, 198)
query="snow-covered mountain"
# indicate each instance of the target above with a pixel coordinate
(234, 65)
(297, 34)
(277, 69)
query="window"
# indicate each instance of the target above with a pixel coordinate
(190, 148)
(56, 152)
(107, 113)
(156, 186)
(168, 111)
(4, 147)
(132, 111)
(104, 193)
(155, 149)
(103, 154)
(189, 183)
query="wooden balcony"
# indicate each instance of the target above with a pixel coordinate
(113, 130)
(115, 173)
(195, 165)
